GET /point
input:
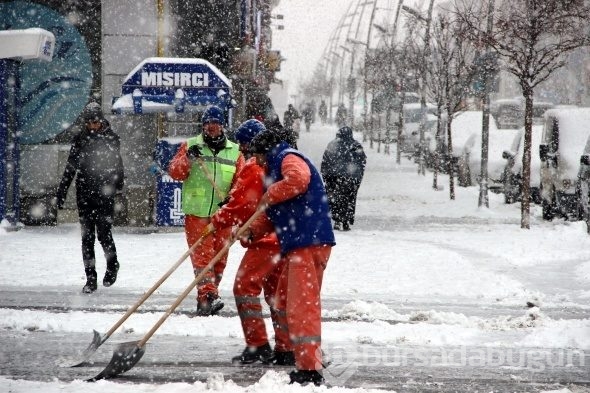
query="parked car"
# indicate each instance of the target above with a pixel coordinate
(410, 137)
(584, 186)
(385, 115)
(563, 142)
(539, 109)
(508, 113)
(466, 134)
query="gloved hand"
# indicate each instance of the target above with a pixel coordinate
(194, 152)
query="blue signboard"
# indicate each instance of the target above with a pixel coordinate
(52, 95)
(163, 84)
(169, 191)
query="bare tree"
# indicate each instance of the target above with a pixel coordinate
(532, 37)
(452, 73)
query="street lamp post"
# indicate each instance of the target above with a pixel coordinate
(425, 54)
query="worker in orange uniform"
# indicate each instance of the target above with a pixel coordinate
(298, 212)
(261, 265)
(207, 165)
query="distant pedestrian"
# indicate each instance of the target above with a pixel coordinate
(207, 165)
(343, 167)
(298, 213)
(308, 114)
(323, 112)
(341, 114)
(95, 161)
(291, 120)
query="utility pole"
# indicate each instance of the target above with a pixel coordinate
(485, 124)
(365, 103)
(425, 55)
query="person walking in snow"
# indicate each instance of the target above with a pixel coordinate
(343, 166)
(323, 112)
(291, 120)
(341, 114)
(261, 265)
(206, 164)
(96, 163)
(298, 212)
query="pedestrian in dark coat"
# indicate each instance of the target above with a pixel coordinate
(341, 114)
(95, 161)
(343, 166)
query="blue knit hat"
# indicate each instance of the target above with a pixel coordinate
(248, 130)
(212, 114)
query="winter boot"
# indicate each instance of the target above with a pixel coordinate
(346, 226)
(304, 377)
(337, 226)
(91, 284)
(262, 354)
(283, 358)
(210, 306)
(110, 276)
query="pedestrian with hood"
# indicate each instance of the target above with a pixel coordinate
(298, 212)
(261, 265)
(323, 112)
(343, 166)
(96, 163)
(341, 114)
(207, 165)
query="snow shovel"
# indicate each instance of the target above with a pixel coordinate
(98, 340)
(126, 355)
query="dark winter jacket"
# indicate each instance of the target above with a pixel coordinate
(290, 116)
(95, 160)
(344, 156)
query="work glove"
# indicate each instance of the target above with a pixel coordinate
(194, 152)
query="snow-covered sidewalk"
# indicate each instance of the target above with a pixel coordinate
(410, 246)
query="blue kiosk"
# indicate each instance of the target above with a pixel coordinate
(177, 85)
(15, 45)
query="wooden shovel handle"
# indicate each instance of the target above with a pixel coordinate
(200, 276)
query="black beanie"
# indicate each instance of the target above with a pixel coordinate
(264, 142)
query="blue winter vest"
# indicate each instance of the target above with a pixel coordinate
(304, 220)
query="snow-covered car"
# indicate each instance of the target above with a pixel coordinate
(563, 142)
(466, 137)
(508, 113)
(410, 137)
(512, 175)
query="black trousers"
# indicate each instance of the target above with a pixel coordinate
(342, 192)
(96, 220)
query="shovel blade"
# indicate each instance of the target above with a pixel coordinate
(97, 341)
(125, 356)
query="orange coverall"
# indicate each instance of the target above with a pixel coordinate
(301, 279)
(261, 265)
(179, 169)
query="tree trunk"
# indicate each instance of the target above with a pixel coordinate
(525, 220)
(450, 154)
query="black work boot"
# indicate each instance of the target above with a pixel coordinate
(305, 377)
(282, 358)
(110, 276)
(262, 354)
(210, 306)
(91, 284)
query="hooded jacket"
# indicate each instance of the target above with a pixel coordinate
(344, 157)
(95, 160)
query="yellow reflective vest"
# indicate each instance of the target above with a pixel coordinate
(199, 198)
